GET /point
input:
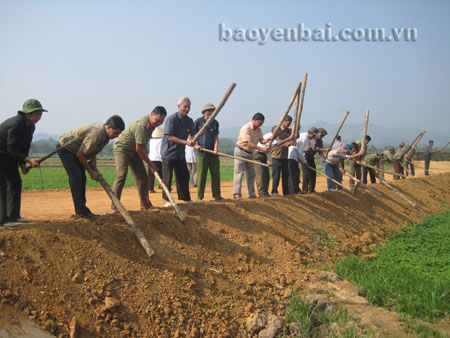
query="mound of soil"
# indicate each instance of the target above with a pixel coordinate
(226, 261)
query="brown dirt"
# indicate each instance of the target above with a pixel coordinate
(227, 260)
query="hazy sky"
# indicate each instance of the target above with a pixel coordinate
(87, 60)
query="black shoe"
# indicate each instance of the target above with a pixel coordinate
(94, 215)
(88, 216)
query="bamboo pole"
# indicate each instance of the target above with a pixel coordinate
(328, 177)
(366, 124)
(42, 159)
(362, 184)
(382, 170)
(286, 112)
(302, 98)
(295, 122)
(337, 133)
(216, 111)
(235, 157)
(397, 192)
(169, 196)
(124, 212)
(444, 147)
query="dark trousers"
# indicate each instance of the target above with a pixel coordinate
(181, 176)
(427, 164)
(77, 180)
(10, 189)
(280, 167)
(309, 175)
(294, 177)
(355, 171)
(398, 169)
(262, 174)
(151, 176)
(410, 168)
(371, 173)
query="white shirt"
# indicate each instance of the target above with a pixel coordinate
(336, 156)
(296, 152)
(337, 144)
(266, 136)
(190, 155)
(155, 149)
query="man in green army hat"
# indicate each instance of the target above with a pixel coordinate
(16, 134)
(374, 161)
(355, 167)
(388, 156)
(398, 160)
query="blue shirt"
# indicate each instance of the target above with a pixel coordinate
(208, 139)
(178, 127)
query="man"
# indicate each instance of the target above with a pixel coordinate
(208, 140)
(130, 150)
(428, 153)
(388, 156)
(280, 153)
(16, 134)
(399, 163)
(310, 150)
(154, 156)
(249, 136)
(320, 135)
(262, 173)
(337, 143)
(80, 156)
(295, 158)
(410, 167)
(335, 163)
(178, 132)
(355, 167)
(374, 161)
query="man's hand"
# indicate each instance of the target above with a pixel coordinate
(342, 171)
(95, 175)
(216, 152)
(23, 168)
(197, 147)
(190, 143)
(264, 149)
(33, 162)
(152, 167)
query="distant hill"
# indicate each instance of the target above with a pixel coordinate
(381, 136)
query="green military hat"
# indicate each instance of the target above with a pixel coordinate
(208, 106)
(401, 144)
(30, 106)
(391, 148)
(313, 130)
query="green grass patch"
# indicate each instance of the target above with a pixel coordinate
(410, 273)
(310, 321)
(56, 178)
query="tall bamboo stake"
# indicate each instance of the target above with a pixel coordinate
(337, 133)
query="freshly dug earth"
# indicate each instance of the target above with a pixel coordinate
(226, 261)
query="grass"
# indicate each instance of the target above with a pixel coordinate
(310, 321)
(53, 176)
(56, 178)
(410, 273)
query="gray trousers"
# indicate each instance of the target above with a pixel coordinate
(355, 171)
(123, 161)
(192, 167)
(241, 167)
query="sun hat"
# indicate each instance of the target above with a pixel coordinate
(208, 106)
(158, 132)
(30, 106)
(391, 148)
(322, 131)
(313, 130)
(401, 144)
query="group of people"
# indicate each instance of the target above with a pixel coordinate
(144, 142)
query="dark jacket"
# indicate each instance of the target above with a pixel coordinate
(15, 138)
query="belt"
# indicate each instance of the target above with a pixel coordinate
(246, 151)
